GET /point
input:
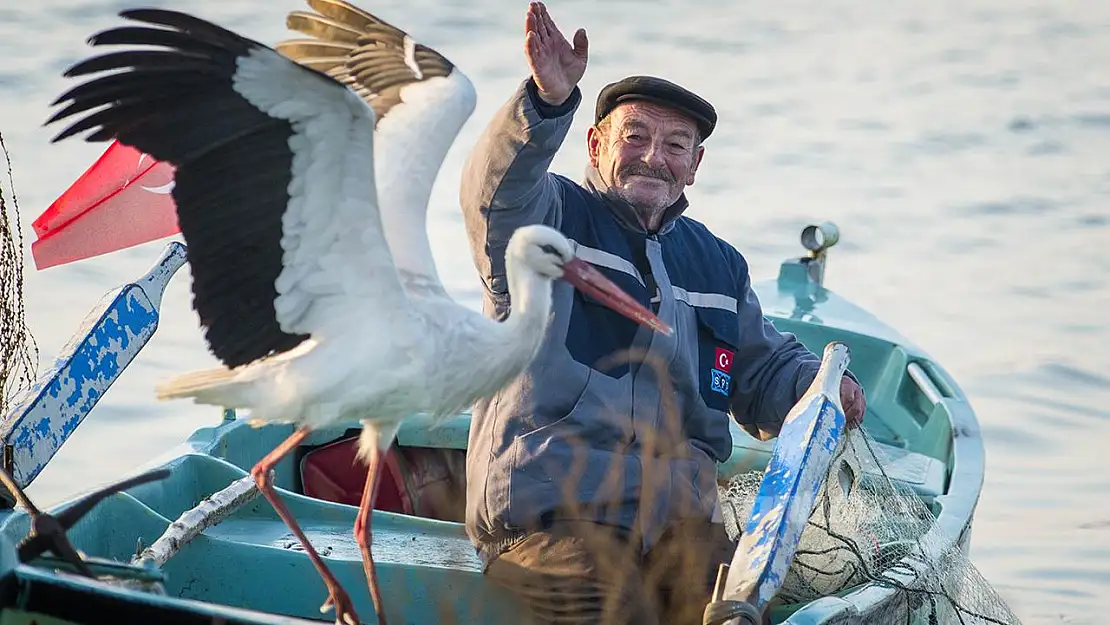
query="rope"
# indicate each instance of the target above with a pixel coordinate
(722, 611)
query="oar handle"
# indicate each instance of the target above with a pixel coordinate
(834, 362)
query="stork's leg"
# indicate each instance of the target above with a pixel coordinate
(337, 597)
(363, 533)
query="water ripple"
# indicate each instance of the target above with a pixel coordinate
(1046, 148)
(1093, 220)
(1012, 206)
(1098, 121)
(1057, 371)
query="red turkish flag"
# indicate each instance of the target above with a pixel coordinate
(122, 200)
(723, 360)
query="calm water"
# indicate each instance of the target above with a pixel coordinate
(962, 147)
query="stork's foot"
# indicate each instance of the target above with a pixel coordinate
(344, 609)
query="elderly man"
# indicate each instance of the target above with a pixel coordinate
(591, 480)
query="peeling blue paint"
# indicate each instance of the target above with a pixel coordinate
(108, 340)
(799, 462)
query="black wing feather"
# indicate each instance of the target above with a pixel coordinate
(232, 164)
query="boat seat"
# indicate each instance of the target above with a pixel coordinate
(926, 475)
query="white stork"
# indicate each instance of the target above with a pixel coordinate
(313, 318)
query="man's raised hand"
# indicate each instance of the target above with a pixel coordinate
(556, 65)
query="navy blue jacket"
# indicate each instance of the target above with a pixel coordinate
(630, 443)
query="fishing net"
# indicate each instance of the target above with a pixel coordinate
(876, 529)
(18, 351)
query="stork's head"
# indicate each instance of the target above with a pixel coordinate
(547, 253)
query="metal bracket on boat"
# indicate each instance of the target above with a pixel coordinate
(924, 383)
(48, 532)
(106, 343)
(809, 271)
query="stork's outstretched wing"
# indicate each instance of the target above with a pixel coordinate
(272, 183)
(422, 101)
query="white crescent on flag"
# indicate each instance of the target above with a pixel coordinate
(161, 189)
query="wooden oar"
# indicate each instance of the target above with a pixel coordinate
(108, 340)
(799, 462)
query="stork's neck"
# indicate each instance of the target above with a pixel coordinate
(483, 355)
(530, 297)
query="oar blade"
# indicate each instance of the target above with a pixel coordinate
(109, 338)
(800, 460)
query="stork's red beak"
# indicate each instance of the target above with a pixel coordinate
(589, 280)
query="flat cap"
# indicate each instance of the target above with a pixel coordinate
(659, 91)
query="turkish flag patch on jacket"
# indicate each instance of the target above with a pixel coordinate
(723, 361)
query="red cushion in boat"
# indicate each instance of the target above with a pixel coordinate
(332, 472)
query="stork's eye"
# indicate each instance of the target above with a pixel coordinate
(550, 249)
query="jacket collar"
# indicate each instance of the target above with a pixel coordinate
(624, 212)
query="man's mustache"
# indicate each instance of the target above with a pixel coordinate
(641, 169)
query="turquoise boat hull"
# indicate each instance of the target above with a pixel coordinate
(247, 567)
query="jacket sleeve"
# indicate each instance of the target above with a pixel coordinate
(506, 183)
(771, 369)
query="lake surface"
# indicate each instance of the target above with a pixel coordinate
(962, 147)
